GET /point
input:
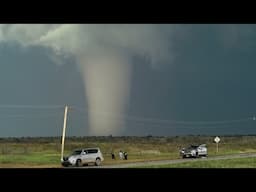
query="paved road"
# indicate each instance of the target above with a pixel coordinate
(162, 162)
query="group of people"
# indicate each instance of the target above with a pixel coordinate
(122, 155)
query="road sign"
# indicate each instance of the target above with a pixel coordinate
(217, 139)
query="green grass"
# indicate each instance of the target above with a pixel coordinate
(32, 159)
(46, 151)
(249, 162)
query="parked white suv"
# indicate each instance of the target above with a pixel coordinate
(194, 151)
(82, 157)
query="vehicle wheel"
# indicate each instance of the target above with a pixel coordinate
(78, 163)
(98, 162)
(183, 156)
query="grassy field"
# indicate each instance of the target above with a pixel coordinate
(45, 152)
(226, 163)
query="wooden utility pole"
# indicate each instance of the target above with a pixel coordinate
(64, 132)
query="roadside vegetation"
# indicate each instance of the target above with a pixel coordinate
(45, 152)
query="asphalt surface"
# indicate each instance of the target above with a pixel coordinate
(163, 162)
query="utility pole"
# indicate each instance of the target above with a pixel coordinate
(64, 132)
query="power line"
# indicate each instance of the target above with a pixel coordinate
(29, 116)
(32, 106)
(129, 118)
(165, 121)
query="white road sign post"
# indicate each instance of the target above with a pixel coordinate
(217, 140)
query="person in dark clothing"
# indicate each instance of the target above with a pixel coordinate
(113, 156)
(125, 155)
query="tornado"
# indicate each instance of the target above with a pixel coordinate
(107, 76)
(104, 53)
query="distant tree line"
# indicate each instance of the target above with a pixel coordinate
(111, 138)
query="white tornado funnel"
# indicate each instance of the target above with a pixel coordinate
(107, 85)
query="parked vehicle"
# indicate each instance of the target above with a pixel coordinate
(82, 157)
(194, 151)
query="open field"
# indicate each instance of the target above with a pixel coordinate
(45, 152)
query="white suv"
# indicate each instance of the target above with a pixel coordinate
(82, 157)
(194, 151)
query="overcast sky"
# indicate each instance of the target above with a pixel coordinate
(182, 80)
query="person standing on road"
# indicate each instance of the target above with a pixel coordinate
(121, 154)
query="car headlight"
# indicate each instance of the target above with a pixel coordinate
(72, 160)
